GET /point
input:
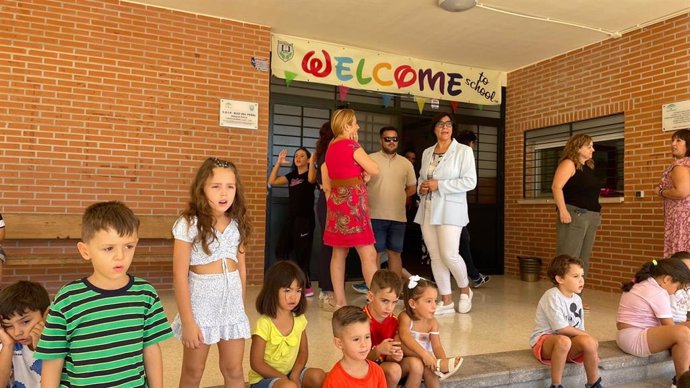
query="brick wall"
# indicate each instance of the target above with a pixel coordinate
(635, 75)
(103, 100)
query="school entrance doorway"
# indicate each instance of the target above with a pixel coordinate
(296, 114)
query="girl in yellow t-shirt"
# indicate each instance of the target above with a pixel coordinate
(279, 352)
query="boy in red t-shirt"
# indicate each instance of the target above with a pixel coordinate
(352, 335)
(383, 295)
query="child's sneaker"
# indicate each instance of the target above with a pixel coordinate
(360, 287)
(309, 292)
(442, 309)
(597, 384)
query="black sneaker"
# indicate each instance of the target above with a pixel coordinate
(556, 386)
(482, 280)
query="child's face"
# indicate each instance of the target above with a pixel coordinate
(425, 306)
(289, 297)
(382, 303)
(573, 282)
(111, 256)
(220, 190)
(355, 341)
(19, 326)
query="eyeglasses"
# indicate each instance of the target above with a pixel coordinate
(447, 124)
(391, 139)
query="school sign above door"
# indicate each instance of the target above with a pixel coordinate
(314, 61)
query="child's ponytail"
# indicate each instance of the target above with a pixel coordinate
(673, 267)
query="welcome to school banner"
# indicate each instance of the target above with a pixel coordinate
(314, 61)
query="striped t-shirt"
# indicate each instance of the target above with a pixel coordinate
(101, 334)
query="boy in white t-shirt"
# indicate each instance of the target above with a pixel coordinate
(680, 301)
(22, 308)
(559, 332)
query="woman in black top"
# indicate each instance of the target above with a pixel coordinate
(298, 233)
(576, 193)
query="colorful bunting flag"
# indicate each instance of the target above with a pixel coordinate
(420, 103)
(342, 92)
(289, 77)
(387, 100)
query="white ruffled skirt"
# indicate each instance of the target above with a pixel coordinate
(217, 307)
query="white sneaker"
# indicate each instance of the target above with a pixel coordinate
(465, 304)
(442, 309)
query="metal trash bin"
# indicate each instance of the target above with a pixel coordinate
(530, 268)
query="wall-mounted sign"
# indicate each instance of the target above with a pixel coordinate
(239, 114)
(327, 63)
(675, 116)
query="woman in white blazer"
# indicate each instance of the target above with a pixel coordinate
(447, 173)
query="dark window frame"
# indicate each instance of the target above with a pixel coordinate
(542, 149)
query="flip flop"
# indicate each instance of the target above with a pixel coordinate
(452, 367)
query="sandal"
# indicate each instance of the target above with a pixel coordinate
(452, 367)
(327, 304)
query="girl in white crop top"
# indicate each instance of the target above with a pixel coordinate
(418, 330)
(209, 273)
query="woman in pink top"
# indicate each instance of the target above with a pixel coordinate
(644, 319)
(348, 225)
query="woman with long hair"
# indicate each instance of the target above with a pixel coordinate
(347, 220)
(298, 232)
(575, 190)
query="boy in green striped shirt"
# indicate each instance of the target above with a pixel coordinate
(103, 330)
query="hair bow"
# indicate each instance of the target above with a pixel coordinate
(655, 262)
(414, 279)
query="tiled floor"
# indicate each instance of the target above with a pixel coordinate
(501, 319)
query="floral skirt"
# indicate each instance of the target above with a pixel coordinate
(347, 218)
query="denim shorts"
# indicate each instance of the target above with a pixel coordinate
(389, 235)
(268, 383)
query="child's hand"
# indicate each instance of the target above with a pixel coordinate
(429, 361)
(35, 334)
(396, 352)
(5, 338)
(192, 336)
(385, 347)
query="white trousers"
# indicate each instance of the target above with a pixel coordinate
(442, 243)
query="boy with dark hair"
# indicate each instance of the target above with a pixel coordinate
(559, 332)
(386, 351)
(22, 306)
(352, 335)
(104, 329)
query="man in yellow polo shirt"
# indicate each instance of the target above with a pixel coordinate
(388, 192)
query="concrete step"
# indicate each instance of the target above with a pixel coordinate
(519, 369)
(654, 383)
